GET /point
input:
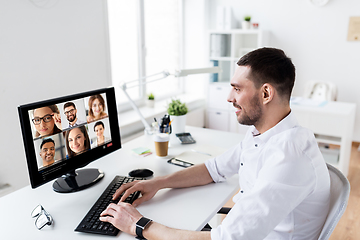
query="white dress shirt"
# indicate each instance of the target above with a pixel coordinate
(77, 123)
(284, 182)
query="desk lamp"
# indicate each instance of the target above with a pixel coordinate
(162, 75)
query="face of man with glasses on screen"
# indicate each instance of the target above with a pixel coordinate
(70, 113)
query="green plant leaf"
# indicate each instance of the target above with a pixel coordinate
(177, 108)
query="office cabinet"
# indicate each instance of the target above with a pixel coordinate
(217, 96)
(332, 124)
(218, 120)
(220, 114)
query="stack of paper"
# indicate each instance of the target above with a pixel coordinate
(142, 151)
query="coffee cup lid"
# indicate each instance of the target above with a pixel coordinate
(161, 137)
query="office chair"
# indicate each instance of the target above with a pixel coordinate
(339, 196)
(320, 91)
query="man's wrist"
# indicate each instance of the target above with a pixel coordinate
(161, 182)
(141, 225)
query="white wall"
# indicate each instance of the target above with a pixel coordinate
(314, 37)
(48, 50)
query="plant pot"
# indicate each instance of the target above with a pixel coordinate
(178, 124)
(245, 25)
(150, 103)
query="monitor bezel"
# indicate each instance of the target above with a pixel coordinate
(38, 178)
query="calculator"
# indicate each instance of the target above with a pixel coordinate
(185, 138)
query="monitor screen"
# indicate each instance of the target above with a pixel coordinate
(63, 134)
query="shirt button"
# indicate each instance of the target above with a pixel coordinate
(256, 145)
(242, 191)
(241, 164)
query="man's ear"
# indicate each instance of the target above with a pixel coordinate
(267, 92)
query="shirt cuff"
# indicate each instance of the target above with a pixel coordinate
(213, 171)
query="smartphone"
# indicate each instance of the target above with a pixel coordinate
(180, 163)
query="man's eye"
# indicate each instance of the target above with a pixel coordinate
(237, 89)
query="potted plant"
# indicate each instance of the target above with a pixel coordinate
(151, 100)
(177, 111)
(246, 23)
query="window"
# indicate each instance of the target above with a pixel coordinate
(123, 45)
(162, 36)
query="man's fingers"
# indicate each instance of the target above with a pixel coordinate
(128, 192)
(110, 210)
(107, 219)
(122, 189)
(139, 201)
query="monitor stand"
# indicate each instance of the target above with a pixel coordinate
(77, 180)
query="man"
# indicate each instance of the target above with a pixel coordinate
(70, 112)
(285, 185)
(47, 151)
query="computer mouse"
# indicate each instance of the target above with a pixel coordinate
(141, 173)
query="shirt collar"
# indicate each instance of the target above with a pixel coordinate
(287, 123)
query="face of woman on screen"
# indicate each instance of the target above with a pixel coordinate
(76, 140)
(99, 130)
(44, 121)
(97, 108)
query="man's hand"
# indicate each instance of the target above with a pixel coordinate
(148, 189)
(123, 216)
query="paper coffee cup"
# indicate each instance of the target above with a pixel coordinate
(161, 144)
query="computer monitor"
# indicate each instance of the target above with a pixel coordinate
(64, 134)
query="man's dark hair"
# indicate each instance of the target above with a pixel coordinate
(270, 65)
(69, 104)
(46, 141)
(99, 123)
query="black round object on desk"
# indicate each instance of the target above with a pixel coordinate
(141, 173)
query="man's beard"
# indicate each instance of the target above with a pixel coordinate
(71, 118)
(254, 114)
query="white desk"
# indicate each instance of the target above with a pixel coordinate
(333, 123)
(189, 208)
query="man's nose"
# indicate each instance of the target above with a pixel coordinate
(230, 97)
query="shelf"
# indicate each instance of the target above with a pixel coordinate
(328, 139)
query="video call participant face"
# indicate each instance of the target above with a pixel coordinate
(70, 112)
(96, 108)
(77, 140)
(47, 152)
(99, 130)
(44, 121)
